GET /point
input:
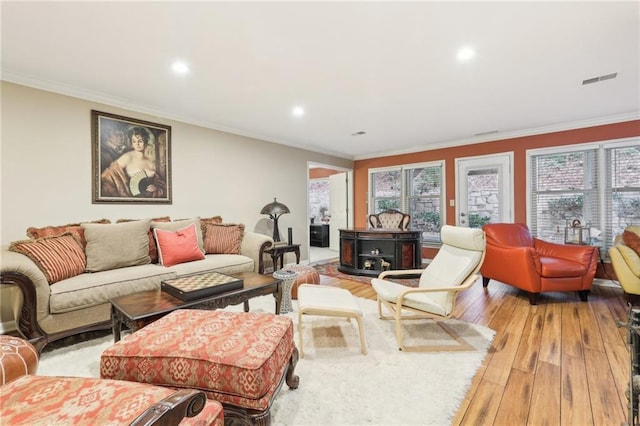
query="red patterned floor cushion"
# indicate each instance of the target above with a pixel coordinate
(236, 358)
(43, 400)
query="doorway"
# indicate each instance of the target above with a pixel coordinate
(330, 207)
(484, 190)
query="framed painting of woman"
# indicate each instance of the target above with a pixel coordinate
(131, 160)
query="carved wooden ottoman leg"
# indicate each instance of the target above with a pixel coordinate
(292, 380)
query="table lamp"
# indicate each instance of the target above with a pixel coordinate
(275, 210)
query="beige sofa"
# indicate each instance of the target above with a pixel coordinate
(47, 312)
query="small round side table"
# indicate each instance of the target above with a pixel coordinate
(17, 358)
(288, 278)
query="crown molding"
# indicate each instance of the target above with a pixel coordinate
(493, 137)
(103, 98)
(114, 101)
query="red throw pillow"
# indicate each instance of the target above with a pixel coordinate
(179, 246)
(223, 238)
(631, 240)
(58, 257)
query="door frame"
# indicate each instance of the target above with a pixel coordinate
(482, 161)
(350, 216)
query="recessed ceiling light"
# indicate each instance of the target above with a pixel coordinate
(466, 53)
(297, 111)
(180, 67)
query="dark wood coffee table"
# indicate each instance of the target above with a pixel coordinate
(139, 309)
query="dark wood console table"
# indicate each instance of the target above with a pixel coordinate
(366, 251)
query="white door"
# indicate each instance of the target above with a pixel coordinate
(484, 190)
(340, 206)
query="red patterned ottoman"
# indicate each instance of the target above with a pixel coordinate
(44, 400)
(238, 358)
(306, 275)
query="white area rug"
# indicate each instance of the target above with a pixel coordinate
(339, 385)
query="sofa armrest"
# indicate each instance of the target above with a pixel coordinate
(519, 266)
(582, 254)
(253, 246)
(626, 265)
(629, 257)
(18, 270)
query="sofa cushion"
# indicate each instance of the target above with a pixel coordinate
(97, 288)
(116, 245)
(223, 238)
(554, 267)
(57, 257)
(153, 249)
(178, 246)
(179, 224)
(631, 240)
(223, 263)
(76, 230)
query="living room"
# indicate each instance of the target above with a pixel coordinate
(219, 166)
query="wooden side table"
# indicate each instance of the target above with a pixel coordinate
(277, 254)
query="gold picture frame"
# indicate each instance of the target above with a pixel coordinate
(131, 160)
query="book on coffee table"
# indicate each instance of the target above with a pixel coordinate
(197, 286)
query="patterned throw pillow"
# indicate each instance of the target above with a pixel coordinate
(58, 257)
(53, 231)
(223, 238)
(631, 240)
(179, 246)
(204, 221)
(153, 249)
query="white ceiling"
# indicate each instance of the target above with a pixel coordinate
(386, 68)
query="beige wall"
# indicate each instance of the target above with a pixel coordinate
(45, 174)
(46, 169)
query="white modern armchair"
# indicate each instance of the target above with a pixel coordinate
(454, 269)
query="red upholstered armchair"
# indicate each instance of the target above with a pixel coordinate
(516, 258)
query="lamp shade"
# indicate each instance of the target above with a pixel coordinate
(275, 210)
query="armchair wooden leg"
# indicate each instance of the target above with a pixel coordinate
(485, 281)
(584, 294)
(533, 298)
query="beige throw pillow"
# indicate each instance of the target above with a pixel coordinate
(176, 225)
(116, 245)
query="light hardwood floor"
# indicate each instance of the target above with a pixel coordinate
(562, 362)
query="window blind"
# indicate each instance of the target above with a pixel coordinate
(564, 188)
(622, 190)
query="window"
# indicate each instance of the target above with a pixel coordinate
(417, 190)
(595, 184)
(622, 188)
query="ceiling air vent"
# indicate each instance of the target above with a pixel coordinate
(601, 78)
(486, 133)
